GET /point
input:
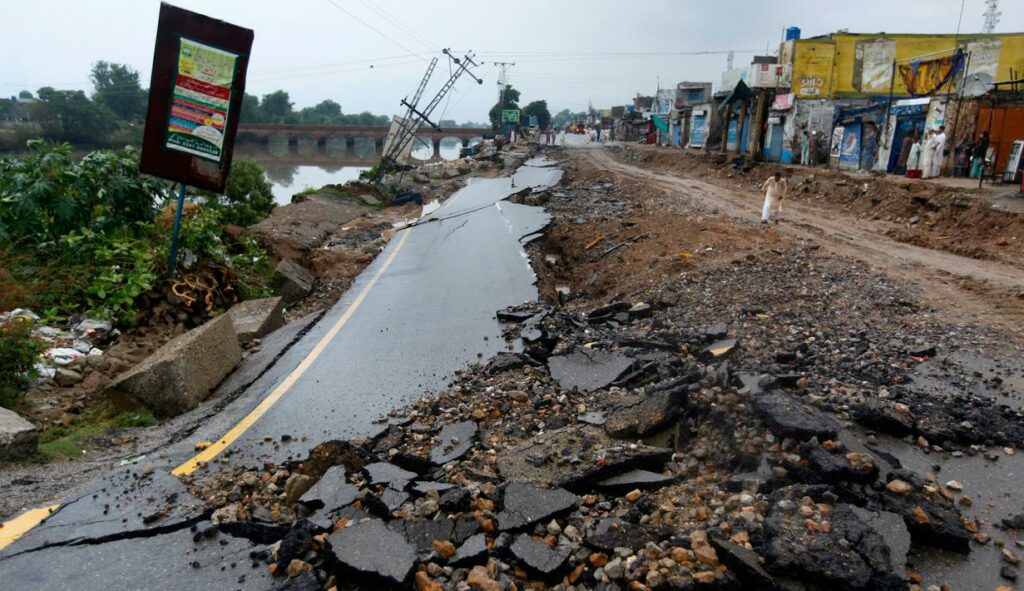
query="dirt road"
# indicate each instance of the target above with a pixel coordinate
(969, 290)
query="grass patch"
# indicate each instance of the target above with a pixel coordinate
(67, 443)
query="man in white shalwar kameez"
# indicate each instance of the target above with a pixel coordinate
(940, 152)
(927, 153)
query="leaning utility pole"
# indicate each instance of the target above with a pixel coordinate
(403, 132)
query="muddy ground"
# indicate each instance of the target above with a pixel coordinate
(695, 403)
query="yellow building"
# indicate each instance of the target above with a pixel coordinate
(858, 65)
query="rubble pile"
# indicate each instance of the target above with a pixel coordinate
(598, 451)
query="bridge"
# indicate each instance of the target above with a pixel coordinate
(361, 142)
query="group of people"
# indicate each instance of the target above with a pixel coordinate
(925, 153)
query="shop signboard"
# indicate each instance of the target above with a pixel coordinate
(195, 96)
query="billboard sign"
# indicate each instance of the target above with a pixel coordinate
(510, 116)
(195, 96)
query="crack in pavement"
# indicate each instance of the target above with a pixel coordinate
(119, 536)
(452, 231)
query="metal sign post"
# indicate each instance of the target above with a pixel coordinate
(172, 258)
(195, 98)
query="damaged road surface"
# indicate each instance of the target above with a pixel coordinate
(424, 309)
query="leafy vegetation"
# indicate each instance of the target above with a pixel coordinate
(277, 107)
(248, 196)
(89, 238)
(538, 109)
(69, 116)
(118, 89)
(18, 351)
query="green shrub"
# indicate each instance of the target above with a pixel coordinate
(18, 352)
(247, 198)
(46, 194)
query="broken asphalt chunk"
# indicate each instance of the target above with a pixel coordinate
(373, 552)
(389, 474)
(789, 417)
(634, 479)
(587, 369)
(642, 415)
(454, 441)
(745, 564)
(576, 458)
(331, 492)
(473, 551)
(505, 361)
(422, 533)
(609, 534)
(525, 505)
(849, 554)
(538, 559)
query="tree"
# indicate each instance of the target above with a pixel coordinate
(277, 107)
(24, 94)
(538, 109)
(45, 93)
(509, 100)
(562, 118)
(69, 116)
(118, 89)
(251, 112)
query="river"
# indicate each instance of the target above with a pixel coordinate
(294, 173)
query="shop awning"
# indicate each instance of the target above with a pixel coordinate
(742, 92)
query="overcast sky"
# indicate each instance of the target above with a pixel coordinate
(567, 52)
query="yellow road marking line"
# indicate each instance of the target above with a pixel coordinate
(192, 464)
(15, 528)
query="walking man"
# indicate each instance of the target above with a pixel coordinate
(775, 189)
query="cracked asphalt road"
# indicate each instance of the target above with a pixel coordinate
(425, 308)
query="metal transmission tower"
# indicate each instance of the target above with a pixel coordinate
(403, 132)
(502, 81)
(992, 15)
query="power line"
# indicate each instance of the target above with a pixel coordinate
(373, 28)
(401, 27)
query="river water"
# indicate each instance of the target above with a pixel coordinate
(294, 173)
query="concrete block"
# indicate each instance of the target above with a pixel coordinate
(295, 282)
(18, 437)
(254, 318)
(181, 374)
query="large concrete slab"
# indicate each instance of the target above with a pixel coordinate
(253, 319)
(181, 374)
(18, 437)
